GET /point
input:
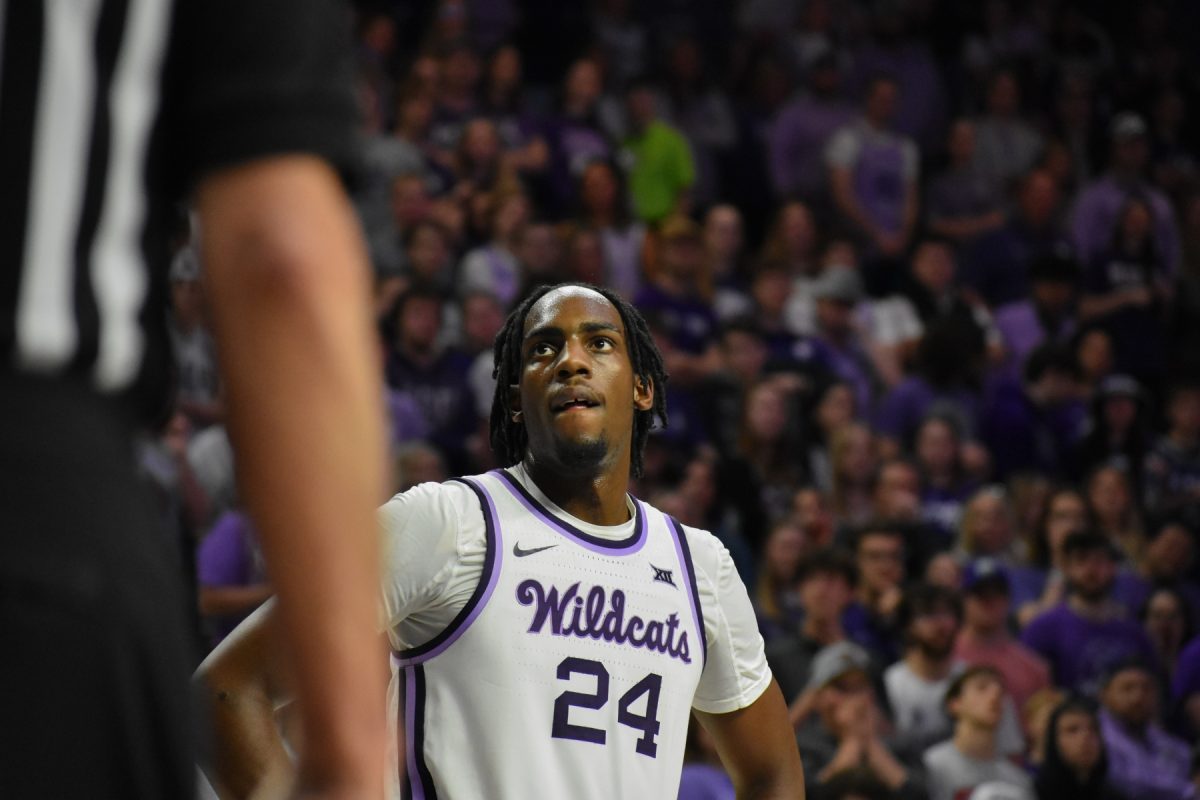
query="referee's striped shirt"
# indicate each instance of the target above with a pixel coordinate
(110, 110)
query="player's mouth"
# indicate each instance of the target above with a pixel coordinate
(576, 398)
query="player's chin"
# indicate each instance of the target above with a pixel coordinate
(584, 450)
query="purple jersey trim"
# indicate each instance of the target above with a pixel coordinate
(596, 544)
(685, 562)
(492, 560)
(418, 783)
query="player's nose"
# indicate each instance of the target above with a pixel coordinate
(573, 360)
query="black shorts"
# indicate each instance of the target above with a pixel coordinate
(95, 654)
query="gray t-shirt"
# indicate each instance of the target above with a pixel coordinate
(950, 775)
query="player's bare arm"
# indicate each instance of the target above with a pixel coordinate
(758, 748)
(243, 682)
(289, 280)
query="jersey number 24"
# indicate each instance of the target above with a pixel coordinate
(647, 723)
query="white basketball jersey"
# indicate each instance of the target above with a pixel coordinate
(570, 673)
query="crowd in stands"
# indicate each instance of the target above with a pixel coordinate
(926, 278)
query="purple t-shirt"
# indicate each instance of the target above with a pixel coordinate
(229, 556)
(1079, 649)
(908, 403)
(689, 322)
(797, 144)
(705, 782)
(1097, 210)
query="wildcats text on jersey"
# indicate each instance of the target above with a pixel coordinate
(590, 619)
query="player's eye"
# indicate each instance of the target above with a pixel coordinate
(541, 349)
(603, 343)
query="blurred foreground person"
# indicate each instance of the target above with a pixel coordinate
(112, 115)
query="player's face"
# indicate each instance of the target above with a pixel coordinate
(577, 394)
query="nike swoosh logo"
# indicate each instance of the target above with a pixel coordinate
(519, 553)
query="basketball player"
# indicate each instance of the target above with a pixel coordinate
(551, 634)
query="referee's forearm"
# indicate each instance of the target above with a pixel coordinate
(288, 277)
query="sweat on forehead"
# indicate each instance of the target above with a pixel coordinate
(547, 307)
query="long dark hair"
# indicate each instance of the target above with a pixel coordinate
(1057, 778)
(509, 438)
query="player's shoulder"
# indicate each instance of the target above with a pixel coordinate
(709, 555)
(443, 502)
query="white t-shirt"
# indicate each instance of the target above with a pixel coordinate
(953, 776)
(436, 550)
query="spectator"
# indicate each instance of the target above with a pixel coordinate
(1035, 424)
(415, 463)
(584, 259)
(1041, 586)
(985, 638)
(1094, 354)
(696, 105)
(661, 170)
(540, 252)
(702, 777)
(743, 355)
(945, 485)
(198, 393)
(997, 264)
(1144, 760)
(1007, 146)
(870, 620)
(436, 377)
(231, 574)
(605, 207)
(1114, 507)
(928, 619)
(768, 451)
(838, 346)
(1167, 618)
(680, 295)
(853, 460)
(1076, 766)
(873, 177)
(1035, 718)
(987, 528)
(1125, 292)
(791, 243)
(812, 513)
(1096, 219)
(845, 731)
(1169, 558)
(833, 408)
(936, 296)
(963, 201)
(804, 127)
(429, 252)
(945, 381)
(494, 267)
(956, 767)
(1046, 315)
(775, 597)
(504, 102)
(1083, 636)
(1118, 433)
(825, 585)
(455, 103)
(575, 134)
(1173, 466)
(724, 244)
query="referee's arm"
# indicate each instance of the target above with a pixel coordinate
(288, 278)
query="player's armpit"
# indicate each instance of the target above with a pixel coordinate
(758, 748)
(241, 683)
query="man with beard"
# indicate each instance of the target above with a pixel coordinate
(551, 634)
(1083, 636)
(929, 618)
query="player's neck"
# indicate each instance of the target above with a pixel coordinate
(599, 499)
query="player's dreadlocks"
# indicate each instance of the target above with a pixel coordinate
(509, 438)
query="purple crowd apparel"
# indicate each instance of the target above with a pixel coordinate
(1079, 649)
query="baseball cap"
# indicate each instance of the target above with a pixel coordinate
(838, 284)
(835, 660)
(984, 574)
(1128, 125)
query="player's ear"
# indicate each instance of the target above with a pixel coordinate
(514, 402)
(643, 393)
